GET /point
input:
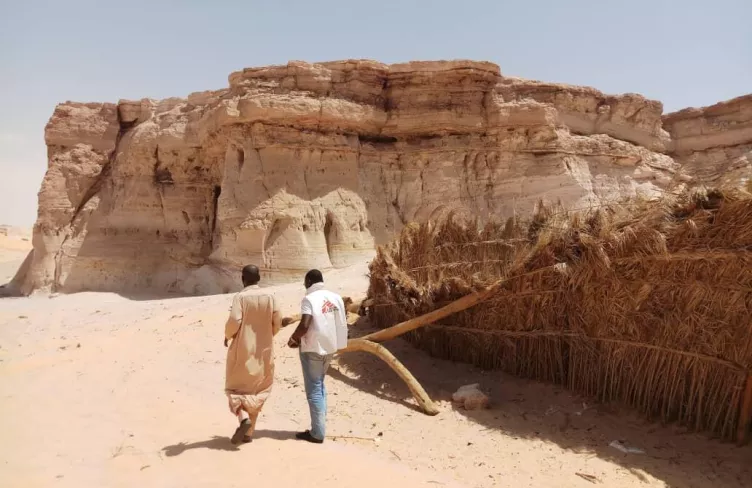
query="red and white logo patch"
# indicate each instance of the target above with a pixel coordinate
(328, 307)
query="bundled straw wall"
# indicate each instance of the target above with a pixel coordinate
(644, 303)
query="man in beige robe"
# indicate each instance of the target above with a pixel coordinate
(253, 322)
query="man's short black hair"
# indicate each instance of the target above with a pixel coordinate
(314, 276)
(251, 275)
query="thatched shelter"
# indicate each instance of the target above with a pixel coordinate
(648, 303)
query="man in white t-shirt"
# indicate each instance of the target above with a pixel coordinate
(322, 332)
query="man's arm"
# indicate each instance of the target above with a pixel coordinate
(276, 317)
(232, 326)
(306, 317)
(300, 331)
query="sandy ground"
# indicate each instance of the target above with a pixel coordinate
(13, 249)
(103, 390)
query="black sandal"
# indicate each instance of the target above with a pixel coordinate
(241, 432)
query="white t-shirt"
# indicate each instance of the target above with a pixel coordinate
(328, 330)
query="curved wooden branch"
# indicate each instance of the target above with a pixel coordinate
(418, 392)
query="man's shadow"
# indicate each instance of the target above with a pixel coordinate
(220, 443)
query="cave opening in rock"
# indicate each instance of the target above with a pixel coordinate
(240, 155)
(328, 224)
(215, 204)
(376, 139)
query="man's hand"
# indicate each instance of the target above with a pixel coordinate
(226, 341)
(300, 331)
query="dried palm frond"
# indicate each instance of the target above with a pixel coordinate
(645, 302)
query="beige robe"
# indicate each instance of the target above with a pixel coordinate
(253, 322)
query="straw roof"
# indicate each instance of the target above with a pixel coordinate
(647, 303)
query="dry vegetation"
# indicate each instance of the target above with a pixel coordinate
(646, 303)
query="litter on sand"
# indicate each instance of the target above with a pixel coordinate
(626, 449)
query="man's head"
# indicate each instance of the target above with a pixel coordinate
(312, 277)
(251, 275)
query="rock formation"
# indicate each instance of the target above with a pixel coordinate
(312, 165)
(714, 144)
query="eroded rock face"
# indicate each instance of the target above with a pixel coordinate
(312, 165)
(714, 143)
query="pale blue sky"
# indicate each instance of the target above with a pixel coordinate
(684, 53)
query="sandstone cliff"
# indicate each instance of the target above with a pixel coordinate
(714, 143)
(312, 165)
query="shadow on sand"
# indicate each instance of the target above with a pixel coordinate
(216, 443)
(384, 391)
(7, 290)
(527, 409)
(221, 443)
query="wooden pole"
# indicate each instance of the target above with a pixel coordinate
(745, 414)
(420, 395)
(415, 323)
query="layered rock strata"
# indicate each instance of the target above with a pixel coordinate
(313, 165)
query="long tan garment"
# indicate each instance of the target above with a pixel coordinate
(253, 322)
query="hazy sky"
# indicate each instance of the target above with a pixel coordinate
(682, 52)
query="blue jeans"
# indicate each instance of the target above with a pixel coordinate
(314, 372)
